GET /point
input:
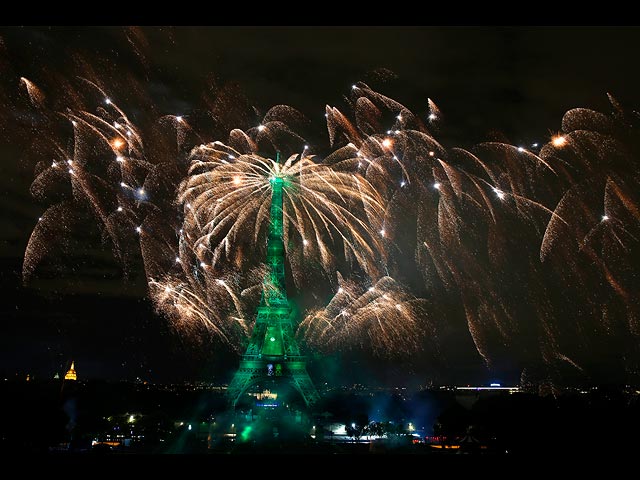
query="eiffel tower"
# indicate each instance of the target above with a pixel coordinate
(273, 350)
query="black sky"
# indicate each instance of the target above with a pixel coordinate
(513, 83)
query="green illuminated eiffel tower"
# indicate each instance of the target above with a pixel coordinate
(273, 350)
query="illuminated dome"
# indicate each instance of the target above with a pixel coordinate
(71, 374)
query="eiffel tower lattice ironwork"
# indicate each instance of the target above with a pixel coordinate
(273, 350)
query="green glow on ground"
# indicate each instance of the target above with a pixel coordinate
(246, 433)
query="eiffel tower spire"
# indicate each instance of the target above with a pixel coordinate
(273, 350)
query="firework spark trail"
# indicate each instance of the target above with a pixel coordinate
(35, 94)
(383, 317)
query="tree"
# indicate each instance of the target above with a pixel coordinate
(376, 429)
(354, 431)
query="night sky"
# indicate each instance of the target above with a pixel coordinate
(509, 84)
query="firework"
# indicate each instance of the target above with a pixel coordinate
(530, 249)
(383, 318)
(227, 196)
(487, 221)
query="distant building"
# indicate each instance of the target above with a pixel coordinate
(71, 374)
(469, 395)
(494, 387)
